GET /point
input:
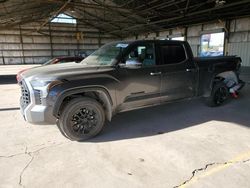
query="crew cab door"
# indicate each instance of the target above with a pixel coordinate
(179, 73)
(139, 85)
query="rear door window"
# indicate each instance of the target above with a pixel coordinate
(172, 53)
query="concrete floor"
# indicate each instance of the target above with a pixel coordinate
(184, 144)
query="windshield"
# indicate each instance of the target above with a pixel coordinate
(106, 55)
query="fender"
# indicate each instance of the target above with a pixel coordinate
(103, 94)
(214, 78)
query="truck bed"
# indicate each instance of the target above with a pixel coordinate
(220, 62)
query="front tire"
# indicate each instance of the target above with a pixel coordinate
(218, 95)
(81, 119)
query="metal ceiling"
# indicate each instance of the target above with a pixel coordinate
(123, 17)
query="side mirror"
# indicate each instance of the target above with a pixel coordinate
(131, 64)
(134, 66)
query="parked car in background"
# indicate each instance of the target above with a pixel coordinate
(56, 60)
(64, 59)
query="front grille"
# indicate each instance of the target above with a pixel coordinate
(38, 98)
(25, 95)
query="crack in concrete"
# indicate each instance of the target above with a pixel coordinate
(194, 172)
(23, 153)
(10, 156)
(27, 165)
(32, 155)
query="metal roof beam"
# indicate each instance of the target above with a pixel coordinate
(187, 15)
(62, 8)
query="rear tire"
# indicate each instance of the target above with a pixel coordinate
(218, 95)
(81, 119)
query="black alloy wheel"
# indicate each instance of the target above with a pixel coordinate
(81, 119)
(84, 120)
(219, 94)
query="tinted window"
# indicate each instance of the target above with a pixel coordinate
(172, 53)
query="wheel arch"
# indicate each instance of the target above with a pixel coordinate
(215, 78)
(97, 92)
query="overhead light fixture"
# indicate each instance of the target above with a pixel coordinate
(220, 2)
(71, 9)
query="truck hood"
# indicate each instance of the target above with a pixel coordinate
(63, 71)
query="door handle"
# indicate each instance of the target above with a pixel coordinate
(189, 70)
(155, 73)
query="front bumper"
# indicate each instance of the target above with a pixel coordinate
(35, 113)
(38, 114)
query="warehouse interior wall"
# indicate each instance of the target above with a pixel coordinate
(237, 41)
(25, 45)
(31, 44)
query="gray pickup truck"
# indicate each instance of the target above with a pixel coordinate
(118, 77)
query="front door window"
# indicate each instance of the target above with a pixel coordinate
(142, 55)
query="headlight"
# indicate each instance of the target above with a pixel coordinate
(37, 84)
(44, 86)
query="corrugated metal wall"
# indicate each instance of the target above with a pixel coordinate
(238, 43)
(242, 50)
(21, 45)
(239, 40)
